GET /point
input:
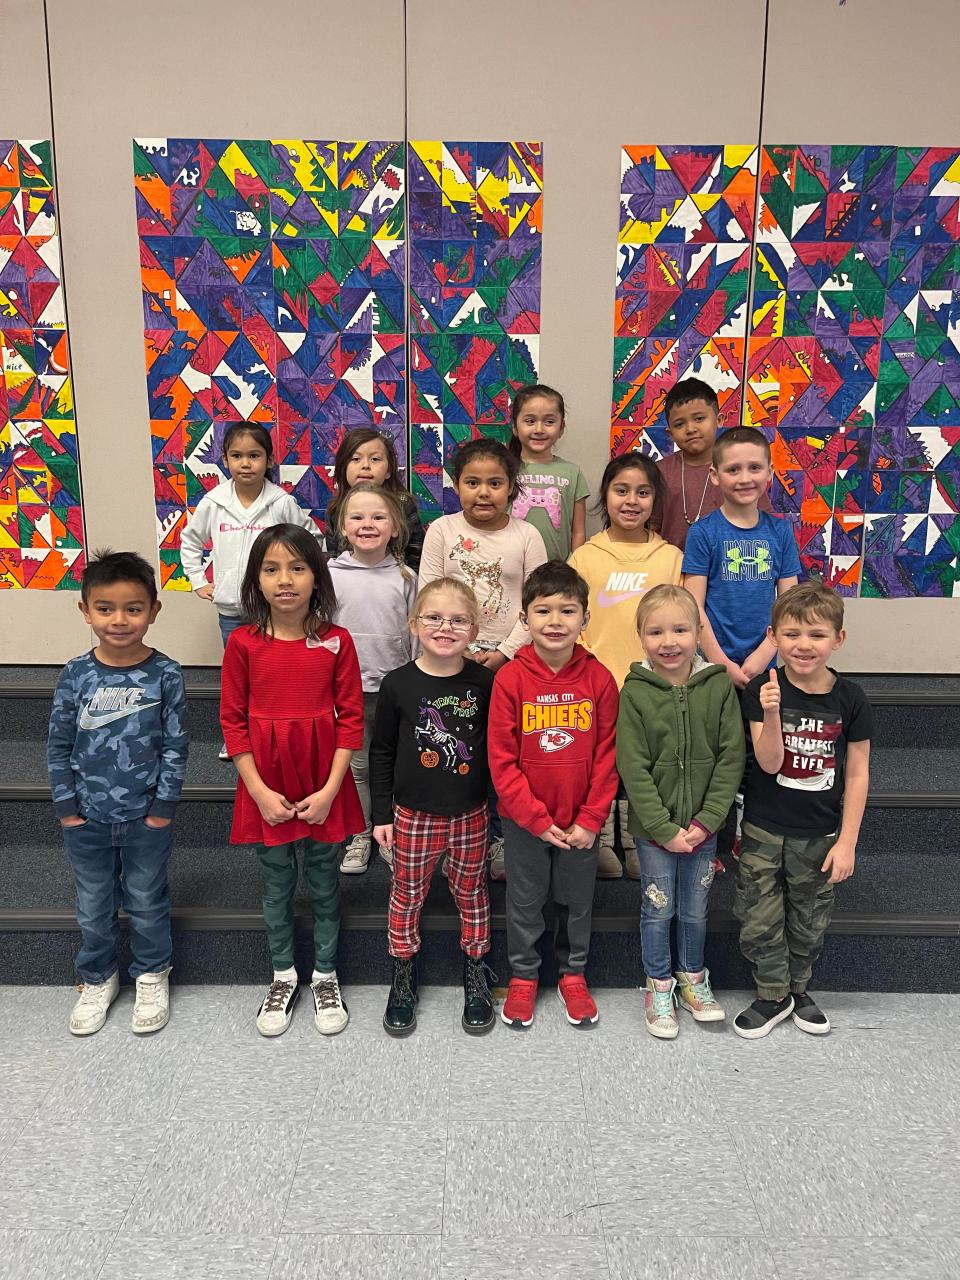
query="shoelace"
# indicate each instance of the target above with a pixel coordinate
(479, 978)
(148, 993)
(662, 1003)
(702, 992)
(403, 982)
(93, 995)
(327, 993)
(277, 996)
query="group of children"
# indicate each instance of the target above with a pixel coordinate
(499, 693)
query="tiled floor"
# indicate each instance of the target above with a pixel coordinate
(208, 1153)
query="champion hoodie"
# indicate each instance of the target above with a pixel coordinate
(551, 741)
(221, 519)
(373, 604)
(618, 574)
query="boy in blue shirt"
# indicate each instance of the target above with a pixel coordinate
(739, 559)
(117, 755)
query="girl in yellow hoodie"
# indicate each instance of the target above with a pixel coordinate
(620, 564)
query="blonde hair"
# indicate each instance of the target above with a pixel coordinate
(657, 597)
(393, 504)
(456, 587)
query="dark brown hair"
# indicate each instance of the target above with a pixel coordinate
(739, 435)
(809, 602)
(348, 446)
(624, 462)
(106, 568)
(520, 399)
(484, 448)
(259, 433)
(688, 389)
(304, 546)
(555, 578)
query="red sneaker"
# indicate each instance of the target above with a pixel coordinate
(518, 1008)
(576, 999)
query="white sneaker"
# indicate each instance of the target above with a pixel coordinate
(357, 855)
(223, 753)
(152, 1008)
(498, 870)
(273, 1016)
(387, 855)
(90, 1012)
(331, 1014)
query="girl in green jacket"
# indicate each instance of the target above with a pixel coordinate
(680, 752)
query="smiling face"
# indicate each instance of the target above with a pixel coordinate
(538, 427)
(120, 614)
(806, 647)
(368, 464)
(629, 502)
(743, 474)
(669, 640)
(444, 625)
(484, 492)
(247, 462)
(554, 623)
(368, 525)
(286, 582)
(693, 429)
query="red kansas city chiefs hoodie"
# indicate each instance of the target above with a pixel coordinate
(551, 741)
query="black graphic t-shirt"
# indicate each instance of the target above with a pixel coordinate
(804, 798)
(429, 746)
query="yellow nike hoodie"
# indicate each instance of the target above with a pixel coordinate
(618, 573)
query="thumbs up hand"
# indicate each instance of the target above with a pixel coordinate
(770, 693)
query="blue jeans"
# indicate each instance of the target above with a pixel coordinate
(674, 884)
(227, 626)
(121, 864)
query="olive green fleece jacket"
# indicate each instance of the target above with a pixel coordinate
(680, 750)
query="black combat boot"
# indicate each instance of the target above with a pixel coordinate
(478, 1016)
(400, 1017)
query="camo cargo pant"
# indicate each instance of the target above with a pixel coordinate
(784, 904)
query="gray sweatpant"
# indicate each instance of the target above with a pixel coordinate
(535, 872)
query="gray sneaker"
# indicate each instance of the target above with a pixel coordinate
(357, 855)
(498, 869)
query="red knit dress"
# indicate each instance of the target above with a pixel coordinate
(293, 703)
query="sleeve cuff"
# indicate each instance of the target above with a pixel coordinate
(67, 808)
(162, 809)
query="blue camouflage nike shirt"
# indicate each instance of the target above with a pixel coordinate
(117, 748)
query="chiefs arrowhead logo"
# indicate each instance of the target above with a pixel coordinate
(555, 739)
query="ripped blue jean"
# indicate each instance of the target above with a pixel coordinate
(674, 884)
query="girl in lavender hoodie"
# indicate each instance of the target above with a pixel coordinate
(375, 594)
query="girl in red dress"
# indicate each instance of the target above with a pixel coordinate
(291, 709)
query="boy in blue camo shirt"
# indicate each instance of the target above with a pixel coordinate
(117, 755)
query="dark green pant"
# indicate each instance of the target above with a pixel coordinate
(321, 870)
(784, 904)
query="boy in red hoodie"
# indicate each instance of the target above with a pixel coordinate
(552, 752)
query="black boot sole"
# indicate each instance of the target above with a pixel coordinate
(399, 1032)
(473, 1030)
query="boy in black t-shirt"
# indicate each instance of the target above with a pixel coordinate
(805, 798)
(428, 788)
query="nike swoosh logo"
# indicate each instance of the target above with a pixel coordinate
(97, 719)
(605, 601)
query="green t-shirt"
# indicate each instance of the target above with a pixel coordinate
(546, 500)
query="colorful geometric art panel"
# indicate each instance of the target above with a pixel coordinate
(272, 274)
(41, 521)
(683, 268)
(853, 364)
(474, 304)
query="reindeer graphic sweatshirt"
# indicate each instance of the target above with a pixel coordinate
(429, 746)
(553, 741)
(494, 563)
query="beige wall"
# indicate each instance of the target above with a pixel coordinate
(582, 76)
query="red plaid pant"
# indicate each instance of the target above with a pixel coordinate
(419, 839)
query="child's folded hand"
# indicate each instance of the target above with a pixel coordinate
(275, 808)
(554, 835)
(683, 842)
(578, 837)
(314, 808)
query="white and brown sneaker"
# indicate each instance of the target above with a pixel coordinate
(273, 1016)
(151, 1011)
(90, 1011)
(330, 1009)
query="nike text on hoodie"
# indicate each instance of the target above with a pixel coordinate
(117, 748)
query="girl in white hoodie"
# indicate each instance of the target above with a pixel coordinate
(375, 592)
(230, 517)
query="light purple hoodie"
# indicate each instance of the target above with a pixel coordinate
(374, 603)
